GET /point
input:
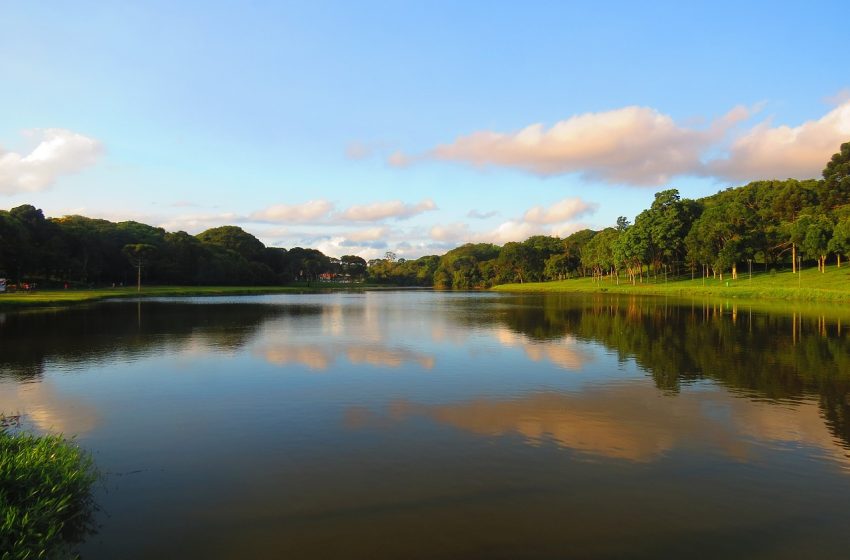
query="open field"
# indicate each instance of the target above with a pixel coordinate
(47, 298)
(810, 285)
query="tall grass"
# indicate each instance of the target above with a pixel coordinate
(45, 496)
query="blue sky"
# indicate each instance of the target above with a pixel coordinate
(361, 127)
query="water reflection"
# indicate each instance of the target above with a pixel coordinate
(48, 408)
(764, 355)
(628, 421)
(565, 352)
(120, 332)
(323, 356)
(542, 423)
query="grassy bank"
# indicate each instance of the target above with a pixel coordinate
(810, 285)
(48, 298)
(45, 496)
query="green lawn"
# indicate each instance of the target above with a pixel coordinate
(810, 285)
(47, 298)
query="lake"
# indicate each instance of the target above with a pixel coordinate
(420, 424)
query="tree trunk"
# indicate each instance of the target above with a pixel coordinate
(794, 258)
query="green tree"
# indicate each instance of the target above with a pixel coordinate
(236, 239)
(840, 242)
(817, 240)
(835, 190)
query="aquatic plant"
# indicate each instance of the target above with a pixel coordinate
(45, 495)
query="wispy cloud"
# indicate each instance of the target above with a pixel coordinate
(310, 211)
(58, 152)
(393, 209)
(358, 150)
(400, 159)
(475, 214)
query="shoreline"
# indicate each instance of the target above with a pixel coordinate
(69, 297)
(832, 286)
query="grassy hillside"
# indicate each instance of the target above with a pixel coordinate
(810, 285)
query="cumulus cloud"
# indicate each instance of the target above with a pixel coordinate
(450, 235)
(57, 152)
(561, 211)
(338, 245)
(644, 147)
(780, 152)
(395, 209)
(631, 145)
(310, 211)
(512, 230)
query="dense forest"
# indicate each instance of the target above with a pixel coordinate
(770, 224)
(90, 252)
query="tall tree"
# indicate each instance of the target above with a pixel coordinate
(835, 190)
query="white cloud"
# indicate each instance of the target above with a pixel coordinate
(555, 219)
(631, 145)
(368, 234)
(383, 210)
(781, 152)
(512, 230)
(310, 211)
(58, 152)
(339, 245)
(642, 146)
(559, 212)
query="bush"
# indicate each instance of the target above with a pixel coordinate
(45, 496)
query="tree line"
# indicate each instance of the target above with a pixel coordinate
(92, 252)
(770, 224)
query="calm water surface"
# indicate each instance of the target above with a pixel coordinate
(444, 425)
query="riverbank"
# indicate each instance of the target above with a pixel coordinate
(56, 298)
(811, 285)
